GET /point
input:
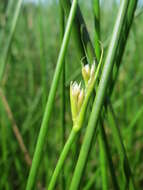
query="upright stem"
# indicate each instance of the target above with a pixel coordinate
(63, 91)
(96, 10)
(100, 96)
(81, 35)
(62, 158)
(50, 102)
(124, 37)
(76, 127)
(128, 177)
(42, 56)
(10, 37)
(105, 154)
(103, 160)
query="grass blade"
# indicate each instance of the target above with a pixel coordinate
(7, 48)
(81, 35)
(98, 102)
(63, 94)
(49, 105)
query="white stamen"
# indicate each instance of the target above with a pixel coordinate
(75, 89)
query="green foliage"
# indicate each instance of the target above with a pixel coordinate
(29, 53)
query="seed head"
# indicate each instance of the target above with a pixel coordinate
(88, 73)
(76, 99)
(75, 89)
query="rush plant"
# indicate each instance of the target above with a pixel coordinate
(71, 116)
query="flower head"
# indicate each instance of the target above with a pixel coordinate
(75, 89)
(76, 99)
(88, 73)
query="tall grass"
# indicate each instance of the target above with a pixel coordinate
(87, 136)
(112, 51)
(49, 105)
(9, 39)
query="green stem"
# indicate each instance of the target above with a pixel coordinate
(50, 102)
(81, 35)
(99, 99)
(62, 159)
(63, 100)
(102, 153)
(96, 10)
(91, 181)
(106, 152)
(122, 151)
(103, 161)
(124, 37)
(10, 37)
(42, 55)
(76, 128)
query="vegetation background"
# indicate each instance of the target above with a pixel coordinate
(26, 83)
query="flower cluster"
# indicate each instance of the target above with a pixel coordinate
(88, 73)
(77, 93)
(76, 98)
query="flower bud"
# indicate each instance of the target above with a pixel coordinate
(75, 89)
(76, 99)
(74, 94)
(86, 73)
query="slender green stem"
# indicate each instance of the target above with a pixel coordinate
(123, 38)
(103, 159)
(42, 55)
(10, 37)
(63, 100)
(91, 180)
(76, 126)
(96, 10)
(98, 102)
(106, 152)
(62, 159)
(81, 35)
(50, 102)
(129, 180)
